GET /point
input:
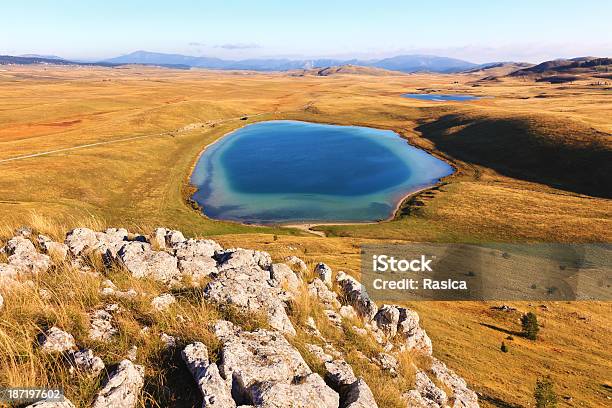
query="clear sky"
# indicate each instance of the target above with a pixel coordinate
(475, 30)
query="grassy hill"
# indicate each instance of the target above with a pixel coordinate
(137, 131)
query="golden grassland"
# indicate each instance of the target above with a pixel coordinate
(498, 193)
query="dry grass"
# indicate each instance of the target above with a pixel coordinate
(141, 184)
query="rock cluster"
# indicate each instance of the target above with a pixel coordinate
(259, 368)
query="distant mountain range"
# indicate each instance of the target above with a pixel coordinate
(402, 63)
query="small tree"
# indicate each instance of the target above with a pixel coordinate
(544, 393)
(504, 348)
(530, 325)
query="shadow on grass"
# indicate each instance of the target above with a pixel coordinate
(501, 329)
(498, 402)
(563, 155)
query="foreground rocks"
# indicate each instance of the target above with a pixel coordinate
(258, 368)
(122, 388)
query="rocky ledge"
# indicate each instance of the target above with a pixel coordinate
(258, 368)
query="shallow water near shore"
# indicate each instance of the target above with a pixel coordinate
(442, 97)
(289, 171)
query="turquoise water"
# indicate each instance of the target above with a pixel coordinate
(442, 97)
(288, 171)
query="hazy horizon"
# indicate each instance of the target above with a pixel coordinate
(477, 31)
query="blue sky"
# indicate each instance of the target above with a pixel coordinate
(475, 30)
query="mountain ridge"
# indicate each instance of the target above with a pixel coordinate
(402, 63)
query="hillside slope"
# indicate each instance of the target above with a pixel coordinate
(534, 148)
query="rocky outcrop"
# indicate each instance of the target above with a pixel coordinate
(23, 258)
(123, 387)
(259, 368)
(265, 370)
(244, 280)
(463, 396)
(55, 249)
(143, 262)
(357, 296)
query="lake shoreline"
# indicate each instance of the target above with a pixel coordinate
(306, 225)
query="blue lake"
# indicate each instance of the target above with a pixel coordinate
(442, 97)
(288, 171)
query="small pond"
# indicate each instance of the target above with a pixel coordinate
(442, 97)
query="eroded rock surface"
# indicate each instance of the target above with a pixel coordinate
(123, 387)
(55, 340)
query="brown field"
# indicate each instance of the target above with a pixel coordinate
(533, 164)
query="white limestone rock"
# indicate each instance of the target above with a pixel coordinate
(101, 326)
(216, 391)
(324, 273)
(56, 340)
(122, 390)
(87, 362)
(163, 302)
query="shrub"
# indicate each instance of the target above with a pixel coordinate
(544, 393)
(530, 325)
(504, 348)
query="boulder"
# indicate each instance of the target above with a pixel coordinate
(242, 258)
(30, 263)
(166, 238)
(258, 361)
(55, 249)
(324, 272)
(319, 290)
(56, 340)
(87, 362)
(101, 326)
(197, 268)
(216, 392)
(414, 399)
(195, 248)
(80, 240)
(297, 263)
(357, 296)
(7, 273)
(162, 302)
(23, 258)
(428, 390)
(353, 391)
(123, 387)
(387, 319)
(310, 392)
(19, 245)
(251, 288)
(52, 404)
(285, 277)
(359, 395)
(143, 262)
